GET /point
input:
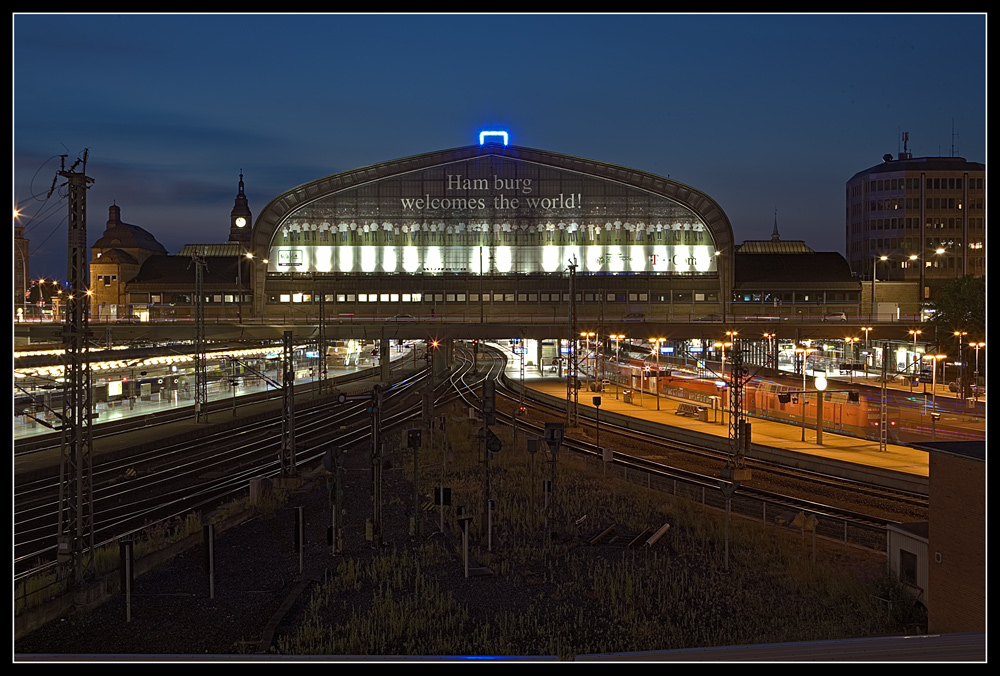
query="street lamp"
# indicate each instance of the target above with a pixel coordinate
(866, 329)
(586, 364)
(656, 345)
(616, 337)
(770, 349)
(723, 345)
(914, 333)
(875, 261)
(960, 335)
(804, 351)
(975, 376)
(935, 358)
(820, 383)
(852, 341)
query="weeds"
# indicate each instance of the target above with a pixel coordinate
(549, 597)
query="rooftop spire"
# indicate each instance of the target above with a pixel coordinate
(774, 233)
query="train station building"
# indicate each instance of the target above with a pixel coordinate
(483, 231)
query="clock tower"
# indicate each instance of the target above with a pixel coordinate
(240, 219)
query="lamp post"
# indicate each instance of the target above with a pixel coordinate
(723, 345)
(616, 337)
(935, 358)
(820, 383)
(960, 335)
(852, 341)
(875, 260)
(914, 333)
(975, 376)
(586, 364)
(656, 382)
(769, 337)
(804, 351)
(866, 329)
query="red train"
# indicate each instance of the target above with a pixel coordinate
(843, 412)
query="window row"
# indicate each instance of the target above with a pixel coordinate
(777, 298)
(497, 297)
(913, 183)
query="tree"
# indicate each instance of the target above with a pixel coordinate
(961, 306)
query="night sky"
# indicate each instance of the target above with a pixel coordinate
(761, 112)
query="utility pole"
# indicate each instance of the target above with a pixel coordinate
(200, 370)
(376, 455)
(572, 392)
(883, 427)
(287, 407)
(75, 536)
(322, 342)
(739, 429)
(488, 404)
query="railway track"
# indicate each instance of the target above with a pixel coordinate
(176, 479)
(812, 491)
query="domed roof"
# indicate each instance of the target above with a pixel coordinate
(121, 235)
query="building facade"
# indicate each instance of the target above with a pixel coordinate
(917, 219)
(493, 229)
(475, 233)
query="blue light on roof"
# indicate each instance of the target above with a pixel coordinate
(484, 134)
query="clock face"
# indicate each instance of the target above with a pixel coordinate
(240, 222)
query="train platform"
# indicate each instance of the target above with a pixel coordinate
(663, 410)
(28, 466)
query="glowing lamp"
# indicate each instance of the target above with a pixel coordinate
(484, 134)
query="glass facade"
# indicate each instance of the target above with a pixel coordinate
(492, 215)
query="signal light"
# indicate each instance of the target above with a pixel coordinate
(522, 410)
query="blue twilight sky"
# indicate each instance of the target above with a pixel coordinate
(762, 112)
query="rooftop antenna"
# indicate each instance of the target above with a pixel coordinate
(954, 135)
(905, 155)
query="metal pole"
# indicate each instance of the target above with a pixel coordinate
(803, 396)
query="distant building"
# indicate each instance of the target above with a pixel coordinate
(131, 273)
(21, 292)
(116, 258)
(785, 277)
(925, 215)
